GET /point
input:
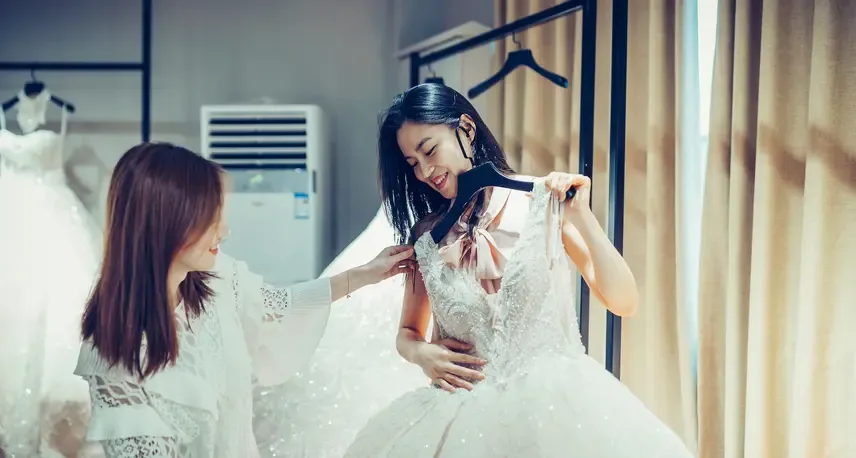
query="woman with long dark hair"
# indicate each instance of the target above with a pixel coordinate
(175, 332)
(510, 374)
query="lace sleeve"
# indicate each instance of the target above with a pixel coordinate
(121, 407)
(282, 326)
(278, 302)
(140, 447)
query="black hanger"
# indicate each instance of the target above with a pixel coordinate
(473, 181)
(517, 58)
(33, 88)
(434, 78)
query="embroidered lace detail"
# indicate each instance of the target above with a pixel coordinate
(276, 302)
(201, 345)
(518, 320)
(201, 406)
(542, 397)
(115, 394)
(141, 447)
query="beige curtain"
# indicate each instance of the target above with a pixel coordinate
(538, 124)
(777, 312)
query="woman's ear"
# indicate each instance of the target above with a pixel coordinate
(467, 124)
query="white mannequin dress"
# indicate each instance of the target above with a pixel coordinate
(49, 255)
(355, 372)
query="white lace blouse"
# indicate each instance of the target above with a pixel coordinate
(202, 406)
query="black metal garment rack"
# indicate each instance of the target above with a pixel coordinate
(144, 66)
(618, 110)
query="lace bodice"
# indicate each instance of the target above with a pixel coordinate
(201, 407)
(37, 153)
(532, 313)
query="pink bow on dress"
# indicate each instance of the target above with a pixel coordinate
(478, 254)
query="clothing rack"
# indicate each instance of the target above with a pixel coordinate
(618, 110)
(144, 66)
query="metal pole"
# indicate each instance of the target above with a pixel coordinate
(415, 65)
(617, 135)
(586, 151)
(146, 80)
(73, 66)
(549, 14)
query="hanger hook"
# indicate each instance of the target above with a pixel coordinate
(33, 74)
(431, 69)
(514, 39)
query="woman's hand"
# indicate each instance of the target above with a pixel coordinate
(440, 361)
(559, 183)
(390, 262)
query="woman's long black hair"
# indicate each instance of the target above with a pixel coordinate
(405, 198)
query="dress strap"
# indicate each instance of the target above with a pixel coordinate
(64, 121)
(63, 127)
(555, 218)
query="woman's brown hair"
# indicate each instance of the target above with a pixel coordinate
(162, 198)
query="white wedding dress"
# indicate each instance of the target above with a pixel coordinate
(49, 256)
(542, 396)
(355, 372)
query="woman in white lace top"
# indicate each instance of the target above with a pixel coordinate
(174, 333)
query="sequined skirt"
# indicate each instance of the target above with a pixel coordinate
(559, 406)
(49, 256)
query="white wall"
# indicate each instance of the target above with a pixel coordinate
(420, 19)
(338, 54)
(333, 53)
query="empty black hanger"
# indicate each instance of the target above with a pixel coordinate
(517, 58)
(473, 181)
(434, 78)
(33, 88)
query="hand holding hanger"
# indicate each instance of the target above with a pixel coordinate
(559, 183)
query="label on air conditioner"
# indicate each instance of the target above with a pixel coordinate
(301, 205)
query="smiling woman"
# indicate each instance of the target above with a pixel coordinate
(175, 331)
(437, 145)
(505, 344)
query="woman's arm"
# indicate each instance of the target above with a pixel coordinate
(439, 359)
(415, 316)
(322, 292)
(283, 326)
(600, 264)
(349, 281)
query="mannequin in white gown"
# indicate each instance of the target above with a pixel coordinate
(318, 412)
(49, 253)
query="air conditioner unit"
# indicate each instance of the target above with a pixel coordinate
(278, 203)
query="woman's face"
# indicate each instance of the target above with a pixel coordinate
(202, 254)
(433, 152)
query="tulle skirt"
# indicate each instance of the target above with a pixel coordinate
(49, 257)
(355, 372)
(558, 407)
